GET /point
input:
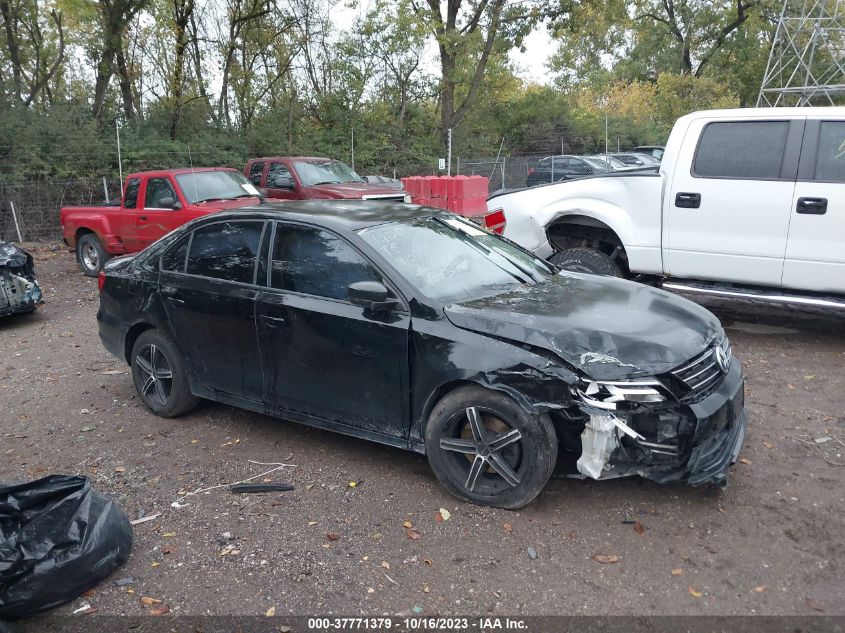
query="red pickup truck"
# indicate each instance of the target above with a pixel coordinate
(153, 204)
(308, 177)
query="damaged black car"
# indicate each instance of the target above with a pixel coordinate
(19, 291)
(416, 328)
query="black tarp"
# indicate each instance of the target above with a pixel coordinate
(58, 538)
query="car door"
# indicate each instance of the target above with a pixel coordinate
(815, 247)
(128, 228)
(277, 170)
(159, 217)
(727, 214)
(322, 355)
(207, 286)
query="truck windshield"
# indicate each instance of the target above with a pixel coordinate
(450, 259)
(203, 186)
(324, 172)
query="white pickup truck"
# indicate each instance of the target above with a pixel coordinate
(747, 202)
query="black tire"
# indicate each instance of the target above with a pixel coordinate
(586, 260)
(454, 455)
(154, 358)
(90, 254)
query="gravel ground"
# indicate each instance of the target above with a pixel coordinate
(772, 543)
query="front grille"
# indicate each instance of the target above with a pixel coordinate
(702, 374)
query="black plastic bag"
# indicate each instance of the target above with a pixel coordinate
(58, 538)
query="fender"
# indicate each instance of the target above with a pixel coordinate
(98, 223)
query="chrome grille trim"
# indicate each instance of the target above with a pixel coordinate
(702, 373)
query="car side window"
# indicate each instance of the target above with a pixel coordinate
(173, 259)
(130, 196)
(225, 250)
(830, 160)
(316, 262)
(255, 171)
(741, 149)
(157, 190)
(276, 170)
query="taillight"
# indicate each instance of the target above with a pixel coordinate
(531, 170)
(101, 280)
(496, 221)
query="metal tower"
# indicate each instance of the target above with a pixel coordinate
(807, 61)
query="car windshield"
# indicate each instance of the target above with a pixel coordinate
(450, 259)
(205, 186)
(598, 163)
(609, 160)
(324, 172)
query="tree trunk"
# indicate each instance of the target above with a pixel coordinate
(182, 13)
(10, 21)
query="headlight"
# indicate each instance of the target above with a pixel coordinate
(606, 394)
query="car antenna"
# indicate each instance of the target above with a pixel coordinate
(193, 176)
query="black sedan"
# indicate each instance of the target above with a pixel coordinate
(416, 328)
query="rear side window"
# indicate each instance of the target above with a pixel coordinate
(225, 250)
(255, 171)
(173, 259)
(315, 262)
(830, 161)
(741, 149)
(130, 197)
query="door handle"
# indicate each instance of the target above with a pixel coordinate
(272, 321)
(811, 206)
(142, 217)
(685, 200)
(170, 294)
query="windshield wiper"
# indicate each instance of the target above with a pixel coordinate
(209, 200)
(325, 182)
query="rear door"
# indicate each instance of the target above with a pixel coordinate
(815, 248)
(158, 217)
(730, 199)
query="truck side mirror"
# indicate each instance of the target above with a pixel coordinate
(283, 182)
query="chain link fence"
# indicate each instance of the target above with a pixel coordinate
(29, 212)
(504, 172)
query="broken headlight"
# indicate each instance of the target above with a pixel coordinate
(608, 394)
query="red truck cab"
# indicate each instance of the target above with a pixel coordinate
(153, 204)
(310, 177)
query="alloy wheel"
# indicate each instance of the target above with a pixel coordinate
(156, 372)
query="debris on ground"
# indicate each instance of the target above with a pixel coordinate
(19, 291)
(248, 488)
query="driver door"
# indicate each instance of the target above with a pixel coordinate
(279, 170)
(322, 355)
(158, 217)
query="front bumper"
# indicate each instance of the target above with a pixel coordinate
(705, 443)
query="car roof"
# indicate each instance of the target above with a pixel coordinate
(177, 171)
(354, 214)
(266, 158)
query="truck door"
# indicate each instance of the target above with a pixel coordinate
(127, 224)
(280, 183)
(727, 214)
(158, 216)
(815, 255)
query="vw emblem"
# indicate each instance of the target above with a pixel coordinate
(722, 359)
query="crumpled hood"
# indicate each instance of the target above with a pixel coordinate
(608, 328)
(14, 257)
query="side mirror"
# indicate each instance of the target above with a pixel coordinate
(366, 179)
(169, 202)
(283, 182)
(371, 295)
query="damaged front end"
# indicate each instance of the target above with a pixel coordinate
(685, 425)
(19, 291)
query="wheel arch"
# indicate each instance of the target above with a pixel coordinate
(131, 336)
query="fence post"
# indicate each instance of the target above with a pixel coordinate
(15, 218)
(106, 190)
(504, 158)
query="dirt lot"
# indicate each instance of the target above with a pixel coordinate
(772, 543)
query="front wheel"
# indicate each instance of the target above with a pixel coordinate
(160, 377)
(485, 449)
(586, 260)
(91, 254)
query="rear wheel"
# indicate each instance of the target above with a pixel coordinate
(91, 254)
(586, 260)
(160, 377)
(486, 450)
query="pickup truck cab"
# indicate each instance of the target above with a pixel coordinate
(153, 204)
(746, 202)
(309, 178)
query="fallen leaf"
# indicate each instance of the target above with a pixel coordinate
(407, 524)
(693, 592)
(767, 444)
(445, 514)
(148, 602)
(426, 589)
(507, 527)
(333, 536)
(120, 469)
(759, 589)
(790, 387)
(169, 534)
(606, 558)
(677, 571)
(639, 528)
(270, 612)
(744, 460)
(194, 441)
(267, 480)
(412, 534)
(113, 372)
(438, 517)
(814, 605)
(89, 593)
(352, 484)
(427, 561)
(167, 549)
(385, 564)
(312, 523)
(160, 610)
(155, 564)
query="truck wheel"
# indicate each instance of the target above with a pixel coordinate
(586, 260)
(159, 374)
(485, 449)
(90, 254)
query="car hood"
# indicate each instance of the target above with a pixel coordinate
(608, 328)
(355, 190)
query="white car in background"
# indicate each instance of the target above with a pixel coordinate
(746, 202)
